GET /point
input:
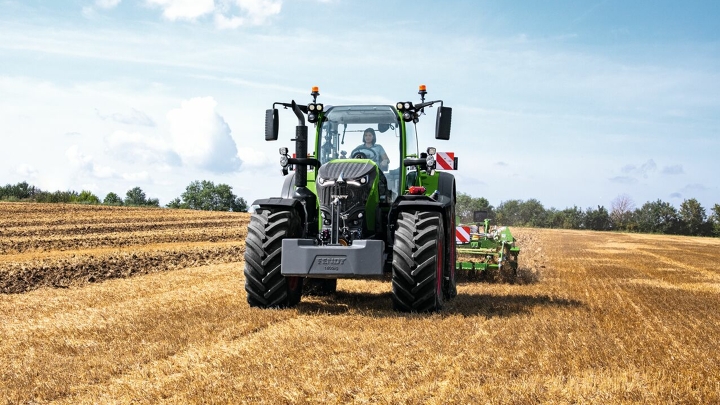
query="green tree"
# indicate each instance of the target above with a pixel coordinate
(692, 216)
(714, 220)
(573, 218)
(657, 217)
(175, 203)
(18, 192)
(205, 195)
(112, 199)
(87, 197)
(508, 213)
(532, 213)
(135, 196)
(597, 219)
(466, 205)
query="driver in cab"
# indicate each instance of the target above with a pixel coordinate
(376, 152)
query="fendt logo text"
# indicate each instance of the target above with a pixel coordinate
(331, 261)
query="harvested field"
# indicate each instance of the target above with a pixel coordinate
(602, 318)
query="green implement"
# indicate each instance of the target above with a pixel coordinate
(489, 251)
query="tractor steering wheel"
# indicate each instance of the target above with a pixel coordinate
(361, 152)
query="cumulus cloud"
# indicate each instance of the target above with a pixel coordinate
(26, 170)
(183, 9)
(252, 12)
(623, 180)
(107, 3)
(90, 11)
(643, 170)
(138, 148)
(254, 159)
(228, 14)
(86, 164)
(135, 117)
(201, 137)
(676, 169)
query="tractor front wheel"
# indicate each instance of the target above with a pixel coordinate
(265, 286)
(418, 262)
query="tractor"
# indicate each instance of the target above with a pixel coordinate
(485, 251)
(347, 211)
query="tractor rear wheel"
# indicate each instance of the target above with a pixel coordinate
(450, 277)
(265, 286)
(418, 262)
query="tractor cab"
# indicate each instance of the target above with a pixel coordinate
(342, 136)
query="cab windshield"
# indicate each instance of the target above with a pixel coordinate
(342, 137)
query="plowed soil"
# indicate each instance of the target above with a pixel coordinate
(63, 245)
(147, 306)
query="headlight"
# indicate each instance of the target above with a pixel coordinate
(430, 161)
(283, 160)
(284, 151)
(431, 151)
(363, 180)
(311, 107)
(407, 105)
(319, 107)
(320, 181)
(399, 106)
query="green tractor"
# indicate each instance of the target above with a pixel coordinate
(363, 203)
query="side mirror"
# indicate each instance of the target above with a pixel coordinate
(442, 123)
(271, 125)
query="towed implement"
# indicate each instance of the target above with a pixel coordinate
(486, 251)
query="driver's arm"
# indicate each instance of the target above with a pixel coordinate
(384, 159)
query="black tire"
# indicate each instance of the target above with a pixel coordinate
(450, 281)
(418, 262)
(320, 287)
(265, 286)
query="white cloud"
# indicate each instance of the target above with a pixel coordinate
(136, 177)
(135, 117)
(258, 11)
(107, 4)
(184, 9)
(643, 170)
(86, 164)
(138, 148)
(79, 159)
(253, 158)
(26, 171)
(202, 137)
(675, 169)
(229, 14)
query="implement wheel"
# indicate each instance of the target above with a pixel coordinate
(418, 262)
(265, 286)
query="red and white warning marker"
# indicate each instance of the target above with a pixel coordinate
(445, 160)
(462, 234)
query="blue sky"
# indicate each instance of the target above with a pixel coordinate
(571, 103)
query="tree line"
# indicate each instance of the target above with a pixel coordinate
(198, 195)
(652, 217)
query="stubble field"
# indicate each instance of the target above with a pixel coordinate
(129, 305)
